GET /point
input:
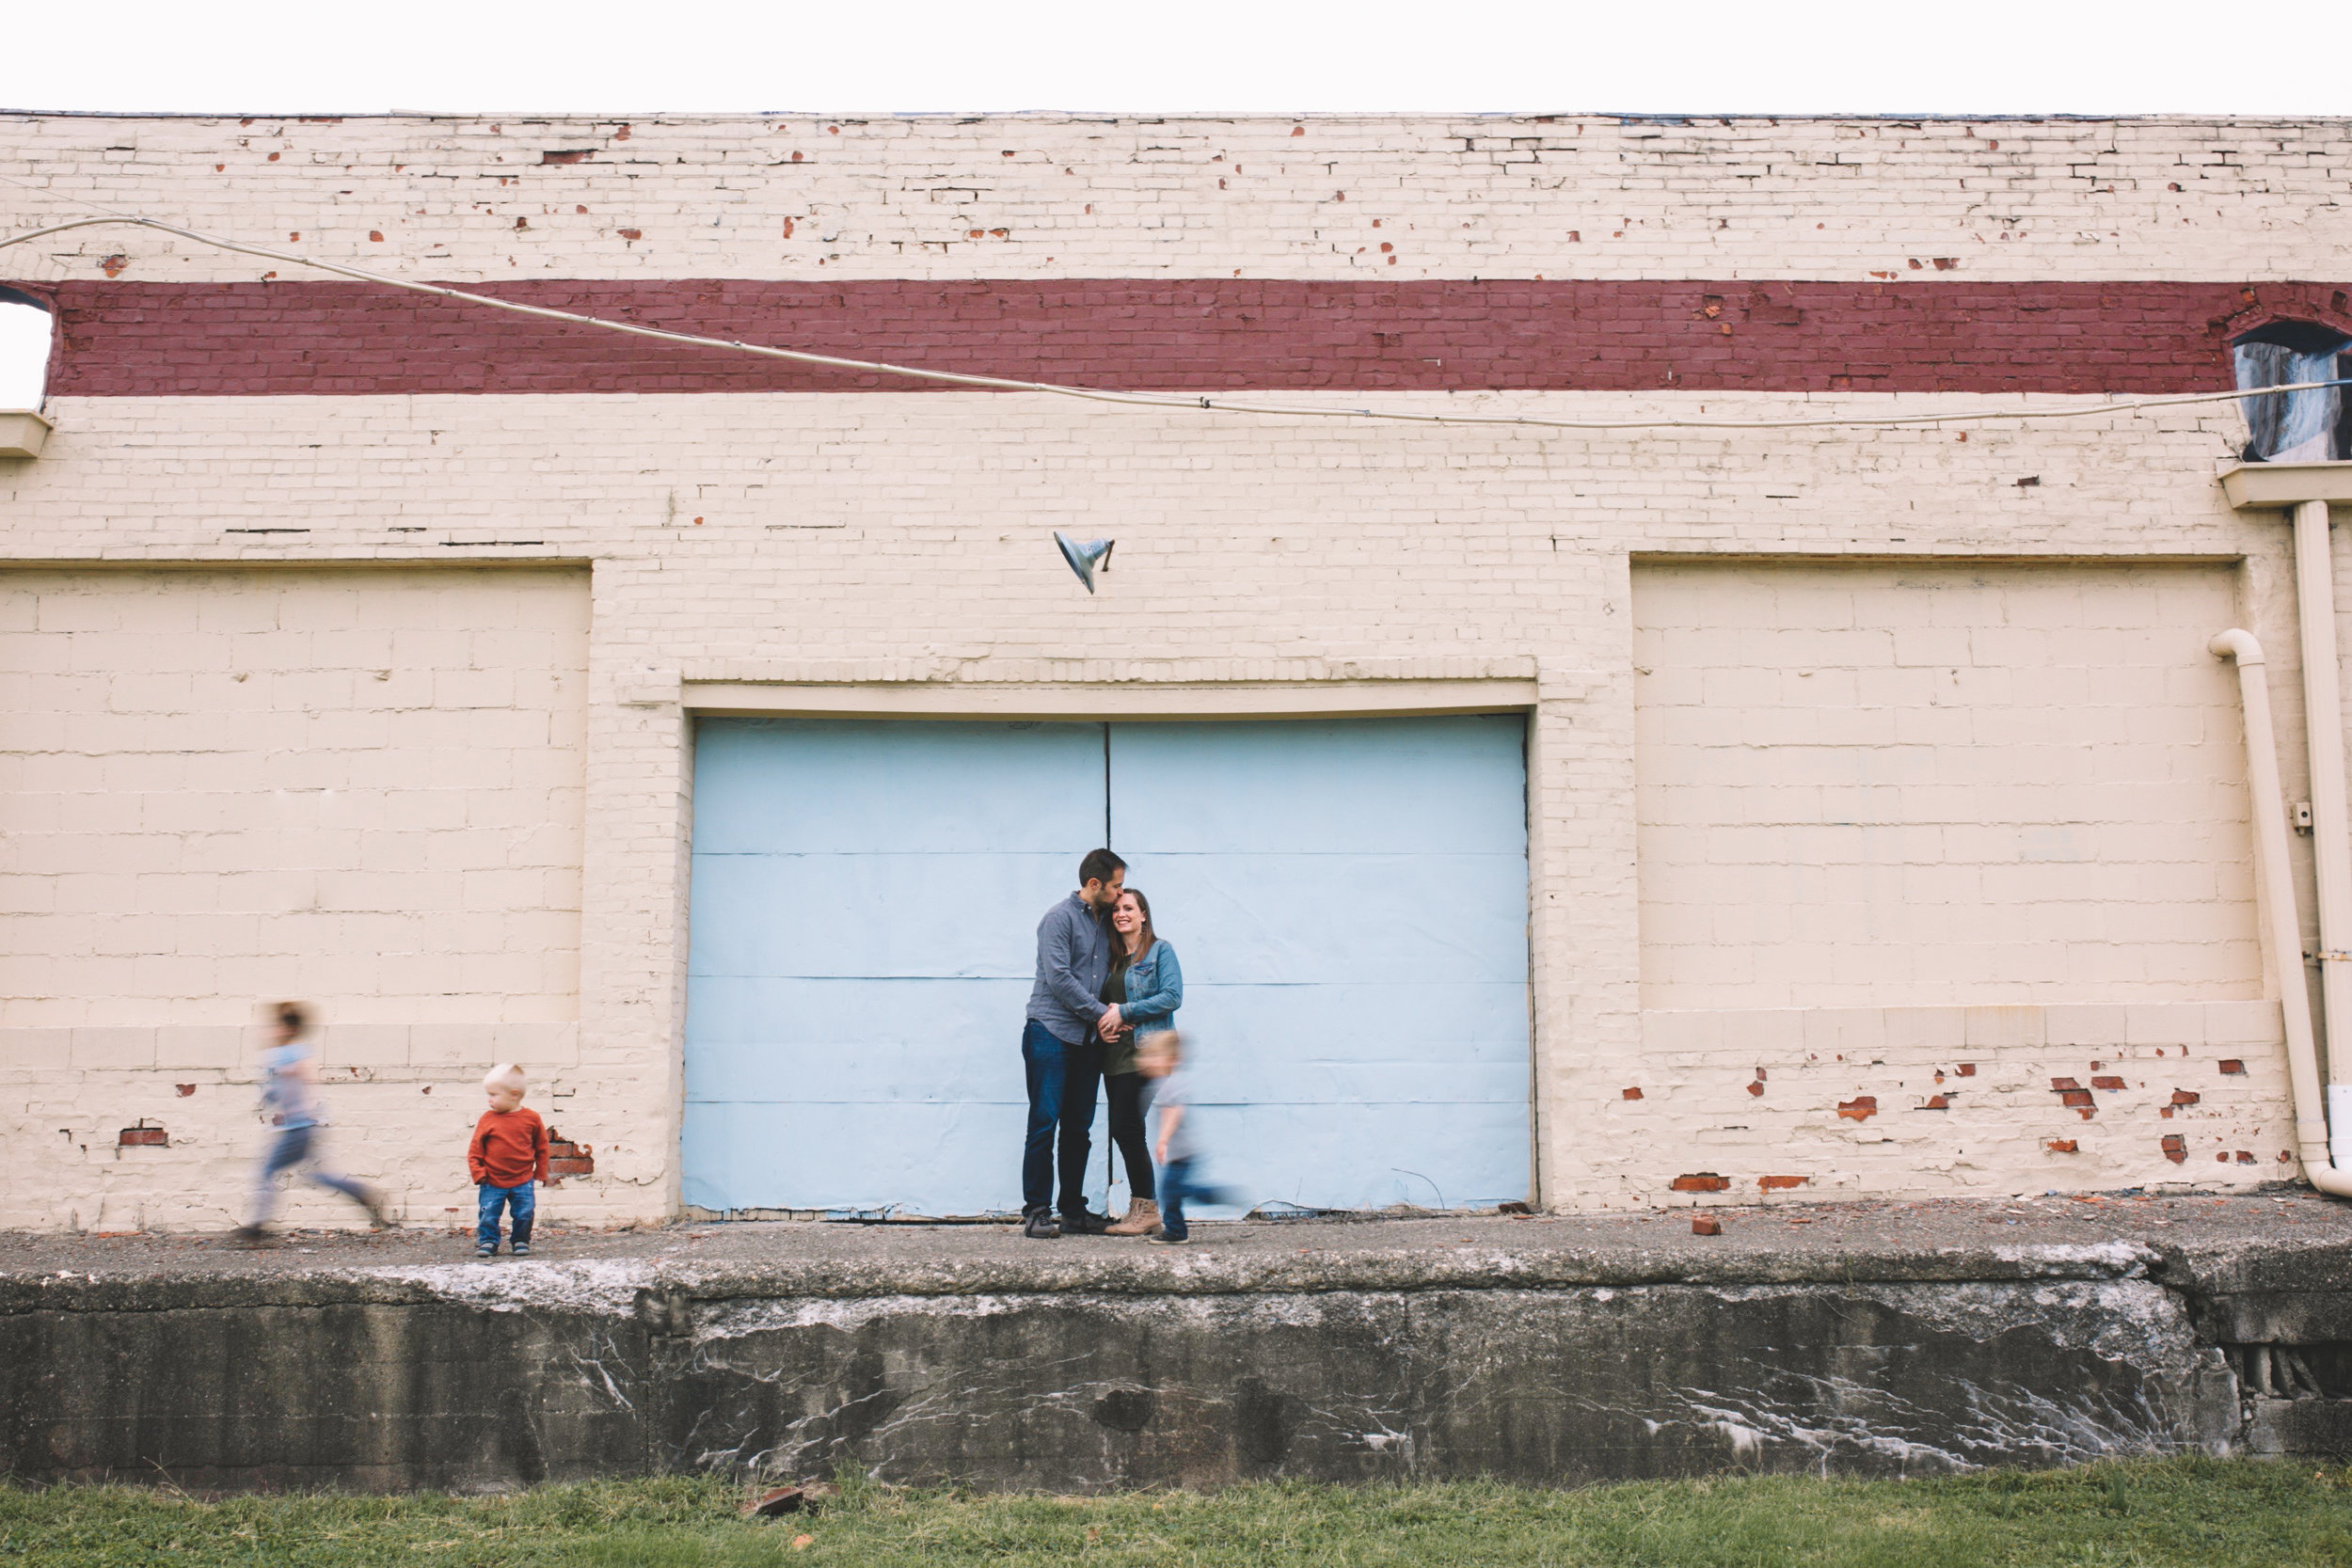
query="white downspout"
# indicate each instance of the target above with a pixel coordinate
(2323, 718)
(2284, 933)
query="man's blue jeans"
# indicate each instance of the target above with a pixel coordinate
(1062, 1081)
(522, 1201)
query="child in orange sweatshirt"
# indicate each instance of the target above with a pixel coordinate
(509, 1152)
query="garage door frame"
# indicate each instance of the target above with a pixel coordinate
(1214, 701)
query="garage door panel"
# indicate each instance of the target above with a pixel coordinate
(1454, 785)
(848, 1039)
(804, 785)
(1399, 1020)
(942, 1159)
(1365, 1157)
(1340, 919)
(886, 915)
(800, 1012)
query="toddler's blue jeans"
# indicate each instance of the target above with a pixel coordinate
(521, 1202)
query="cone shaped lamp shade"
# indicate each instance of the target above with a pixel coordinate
(1087, 558)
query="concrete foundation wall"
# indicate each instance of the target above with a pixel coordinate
(1111, 1372)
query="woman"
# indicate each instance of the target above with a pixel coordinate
(1146, 987)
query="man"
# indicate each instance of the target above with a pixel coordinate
(1061, 1049)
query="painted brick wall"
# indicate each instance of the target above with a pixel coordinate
(363, 788)
(1054, 196)
(898, 546)
(1905, 786)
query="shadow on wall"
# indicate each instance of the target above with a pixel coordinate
(25, 336)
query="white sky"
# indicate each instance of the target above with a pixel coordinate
(1957, 56)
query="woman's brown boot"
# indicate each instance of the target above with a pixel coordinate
(1143, 1217)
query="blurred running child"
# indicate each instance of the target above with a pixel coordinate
(290, 1077)
(508, 1153)
(1161, 1060)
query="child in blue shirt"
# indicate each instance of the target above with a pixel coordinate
(290, 1078)
(1161, 1059)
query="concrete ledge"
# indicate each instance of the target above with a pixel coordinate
(2271, 484)
(1854, 1338)
(22, 433)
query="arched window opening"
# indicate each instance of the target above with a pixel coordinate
(24, 327)
(2313, 426)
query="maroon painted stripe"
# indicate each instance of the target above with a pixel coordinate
(232, 339)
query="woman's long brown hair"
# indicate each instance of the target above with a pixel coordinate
(1121, 957)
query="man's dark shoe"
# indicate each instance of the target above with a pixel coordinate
(1084, 1222)
(1040, 1226)
(249, 1235)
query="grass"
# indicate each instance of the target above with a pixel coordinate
(2210, 1513)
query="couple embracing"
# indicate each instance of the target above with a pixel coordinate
(1104, 983)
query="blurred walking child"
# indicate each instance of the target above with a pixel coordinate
(290, 1077)
(508, 1155)
(1161, 1060)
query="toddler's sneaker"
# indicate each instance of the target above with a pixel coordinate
(485, 1252)
(520, 1249)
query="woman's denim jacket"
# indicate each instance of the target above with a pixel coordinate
(1155, 989)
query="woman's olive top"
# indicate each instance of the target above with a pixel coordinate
(1154, 985)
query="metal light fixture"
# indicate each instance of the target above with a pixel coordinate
(1087, 558)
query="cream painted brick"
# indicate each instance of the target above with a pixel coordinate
(1188, 198)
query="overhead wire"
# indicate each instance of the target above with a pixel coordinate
(2108, 408)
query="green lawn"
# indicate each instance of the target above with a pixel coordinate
(2189, 1511)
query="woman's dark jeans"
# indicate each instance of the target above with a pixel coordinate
(1125, 1092)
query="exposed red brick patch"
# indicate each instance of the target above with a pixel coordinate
(2232, 1065)
(1780, 1184)
(2060, 1145)
(1966, 1070)
(1860, 1108)
(2175, 1147)
(1937, 1102)
(2075, 1097)
(183, 1090)
(2064, 1085)
(143, 1137)
(1701, 1181)
(632, 233)
(1633, 1094)
(2245, 1156)
(568, 156)
(1755, 1088)
(1206, 334)
(569, 1159)
(2185, 1097)
(2109, 1082)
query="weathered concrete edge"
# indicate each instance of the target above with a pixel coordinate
(614, 1287)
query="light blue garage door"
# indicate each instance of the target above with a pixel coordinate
(1349, 899)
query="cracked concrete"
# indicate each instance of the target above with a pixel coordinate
(1867, 1338)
